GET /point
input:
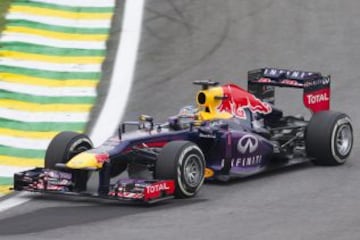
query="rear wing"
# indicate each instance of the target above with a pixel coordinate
(316, 97)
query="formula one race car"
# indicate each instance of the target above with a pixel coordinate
(231, 133)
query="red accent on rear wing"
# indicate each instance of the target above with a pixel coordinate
(316, 97)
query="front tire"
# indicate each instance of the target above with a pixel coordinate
(184, 162)
(65, 146)
(329, 138)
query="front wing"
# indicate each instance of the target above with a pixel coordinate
(126, 190)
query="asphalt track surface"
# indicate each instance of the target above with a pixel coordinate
(184, 40)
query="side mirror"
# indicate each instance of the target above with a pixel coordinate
(146, 118)
(121, 130)
(146, 122)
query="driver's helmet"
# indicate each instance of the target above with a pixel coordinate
(184, 118)
(189, 110)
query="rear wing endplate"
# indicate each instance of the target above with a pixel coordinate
(316, 97)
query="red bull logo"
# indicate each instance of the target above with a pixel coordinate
(238, 99)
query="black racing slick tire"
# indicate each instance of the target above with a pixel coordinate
(64, 146)
(329, 138)
(184, 162)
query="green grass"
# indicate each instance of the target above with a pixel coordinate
(4, 5)
(6, 180)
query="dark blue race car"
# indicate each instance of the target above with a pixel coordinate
(231, 133)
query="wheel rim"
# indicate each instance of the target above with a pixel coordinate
(78, 149)
(344, 140)
(192, 171)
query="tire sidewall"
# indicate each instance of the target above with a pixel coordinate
(185, 155)
(341, 121)
(62, 145)
(321, 138)
(74, 144)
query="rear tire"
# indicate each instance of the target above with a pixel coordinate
(65, 146)
(184, 162)
(329, 138)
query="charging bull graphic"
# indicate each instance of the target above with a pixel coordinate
(237, 100)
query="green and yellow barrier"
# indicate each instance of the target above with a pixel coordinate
(51, 52)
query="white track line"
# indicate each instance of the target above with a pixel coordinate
(24, 143)
(46, 41)
(77, 3)
(14, 201)
(53, 20)
(121, 80)
(8, 171)
(47, 66)
(26, 116)
(123, 72)
(48, 91)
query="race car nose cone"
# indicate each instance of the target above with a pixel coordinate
(84, 161)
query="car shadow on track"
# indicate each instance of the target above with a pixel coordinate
(270, 173)
(97, 210)
(50, 218)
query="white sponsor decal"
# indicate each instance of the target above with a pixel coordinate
(318, 98)
(247, 144)
(246, 161)
(322, 81)
(157, 188)
(250, 161)
(288, 74)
